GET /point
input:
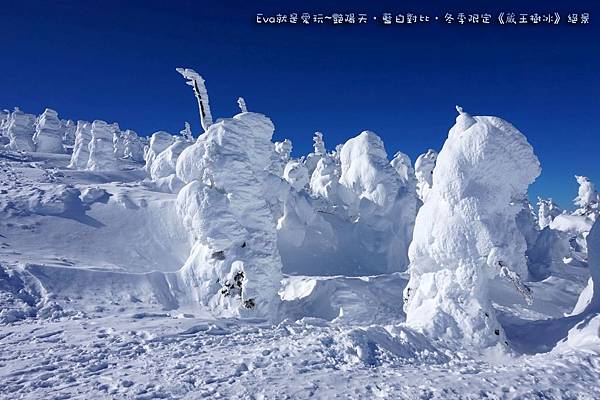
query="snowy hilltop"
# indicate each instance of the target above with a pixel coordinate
(135, 265)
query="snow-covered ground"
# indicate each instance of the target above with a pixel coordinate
(98, 275)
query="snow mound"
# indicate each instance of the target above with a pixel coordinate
(583, 336)
(159, 141)
(466, 233)
(424, 173)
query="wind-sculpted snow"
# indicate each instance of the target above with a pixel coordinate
(20, 130)
(102, 156)
(132, 146)
(81, 152)
(48, 137)
(162, 169)
(466, 233)
(234, 265)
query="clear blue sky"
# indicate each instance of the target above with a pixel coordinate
(115, 60)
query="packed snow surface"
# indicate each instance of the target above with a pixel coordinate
(226, 267)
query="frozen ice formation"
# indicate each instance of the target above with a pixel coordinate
(118, 141)
(159, 141)
(466, 233)
(102, 156)
(296, 174)
(234, 265)
(20, 130)
(424, 173)
(48, 137)
(163, 166)
(197, 83)
(81, 152)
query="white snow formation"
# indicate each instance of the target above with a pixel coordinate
(588, 198)
(466, 234)
(81, 152)
(20, 130)
(102, 156)
(242, 104)
(70, 129)
(197, 83)
(133, 148)
(424, 173)
(159, 141)
(235, 265)
(186, 132)
(48, 137)
(547, 211)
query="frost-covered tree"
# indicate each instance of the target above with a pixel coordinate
(547, 211)
(197, 83)
(162, 170)
(81, 152)
(318, 152)
(424, 173)
(281, 156)
(20, 130)
(48, 137)
(70, 130)
(587, 198)
(186, 132)
(102, 155)
(242, 104)
(159, 141)
(118, 140)
(466, 234)
(234, 267)
(133, 148)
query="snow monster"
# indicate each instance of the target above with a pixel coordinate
(466, 234)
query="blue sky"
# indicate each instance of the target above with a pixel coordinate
(116, 60)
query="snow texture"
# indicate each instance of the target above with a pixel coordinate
(81, 152)
(424, 173)
(20, 130)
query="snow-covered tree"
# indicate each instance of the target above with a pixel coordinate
(20, 130)
(242, 104)
(133, 148)
(81, 152)
(48, 137)
(466, 233)
(159, 141)
(547, 211)
(102, 155)
(234, 266)
(318, 151)
(424, 173)
(186, 132)
(70, 128)
(197, 83)
(118, 140)
(587, 198)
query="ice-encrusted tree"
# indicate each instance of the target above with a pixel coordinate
(197, 83)
(186, 132)
(20, 130)
(81, 152)
(159, 141)
(587, 198)
(48, 137)
(466, 234)
(102, 155)
(234, 267)
(547, 211)
(133, 148)
(424, 172)
(70, 129)
(242, 104)
(318, 152)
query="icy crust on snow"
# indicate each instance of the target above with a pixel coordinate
(466, 234)
(102, 156)
(235, 265)
(20, 130)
